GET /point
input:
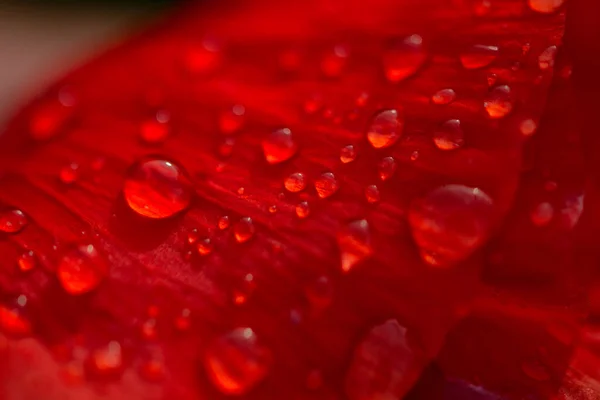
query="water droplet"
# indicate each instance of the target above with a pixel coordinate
(498, 103)
(354, 241)
(384, 365)
(492, 79)
(362, 99)
(450, 223)
(478, 56)
(69, 174)
(241, 191)
(528, 127)
(272, 209)
(572, 210)
(27, 261)
(98, 164)
(13, 317)
(372, 194)
(153, 368)
(244, 230)
(204, 57)
(49, 119)
(482, 7)
(12, 221)
(232, 120)
(302, 209)
(386, 168)
(81, 269)
(404, 59)
(108, 359)
(347, 154)
(204, 247)
(542, 214)
(223, 222)
(320, 292)
(236, 362)
(385, 129)
(326, 185)
(193, 236)
(545, 6)
(149, 329)
(334, 62)
(279, 146)
(414, 156)
(295, 183)
(314, 380)
(226, 147)
(183, 320)
(156, 129)
(535, 370)
(443, 97)
(449, 136)
(313, 104)
(546, 59)
(157, 189)
(244, 289)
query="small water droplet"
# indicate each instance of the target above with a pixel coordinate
(27, 261)
(386, 168)
(149, 329)
(372, 194)
(498, 103)
(302, 209)
(491, 80)
(571, 211)
(272, 209)
(404, 58)
(98, 164)
(236, 362)
(226, 147)
(81, 269)
(204, 247)
(528, 127)
(443, 97)
(12, 221)
(449, 136)
(232, 120)
(244, 289)
(450, 223)
(183, 320)
(384, 365)
(478, 56)
(542, 214)
(244, 230)
(156, 129)
(49, 119)
(545, 6)
(223, 222)
(157, 189)
(279, 146)
(108, 359)
(354, 241)
(69, 174)
(314, 380)
(334, 62)
(241, 191)
(385, 129)
(414, 156)
(13, 317)
(546, 59)
(320, 292)
(326, 185)
(347, 154)
(193, 236)
(152, 368)
(361, 99)
(535, 370)
(204, 57)
(295, 183)
(313, 104)
(482, 7)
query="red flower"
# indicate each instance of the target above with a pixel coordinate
(326, 199)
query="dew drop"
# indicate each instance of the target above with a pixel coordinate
(478, 56)
(279, 146)
(362, 99)
(386, 168)
(241, 191)
(498, 103)
(450, 223)
(383, 365)
(98, 164)
(156, 188)
(534, 370)
(223, 222)
(313, 104)
(482, 7)
(193, 236)
(320, 292)
(244, 289)
(546, 59)
(226, 147)
(334, 62)
(49, 119)
(27, 261)
(273, 209)
(244, 230)
(414, 156)
(232, 120)
(302, 210)
(152, 368)
(354, 241)
(449, 136)
(443, 97)
(204, 57)
(326, 185)
(156, 129)
(81, 269)
(372, 194)
(295, 183)
(347, 154)
(404, 58)
(108, 359)
(385, 129)
(542, 214)
(572, 210)
(492, 79)
(12, 221)
(13, 317)
(149, 329)
(236, 362)
(545, 6)
(528, 127)
(204, 247)
(69, 174)
(183, 320)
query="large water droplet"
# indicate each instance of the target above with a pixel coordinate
(450, 223)
(326, 185)
(404, 59)
(354, 241)
(478, 56)
(279, 146)
(236, 362)
(27, 261)
(108, 359)
(223, 222)
(244, 230)
(499, 103)
(528, 127)
(13, 317)
(443, 97)
(385, 129)
(156, 188)
(449, 136)
(386, 168)
(232, 120)
(295, 183)
(545, 6)
(347, 154)
(12, 221)
(302, 209)
(542, 214)
(546, 59)
(383, 366)
(81, 269)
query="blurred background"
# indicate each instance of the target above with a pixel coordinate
(41, 40)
